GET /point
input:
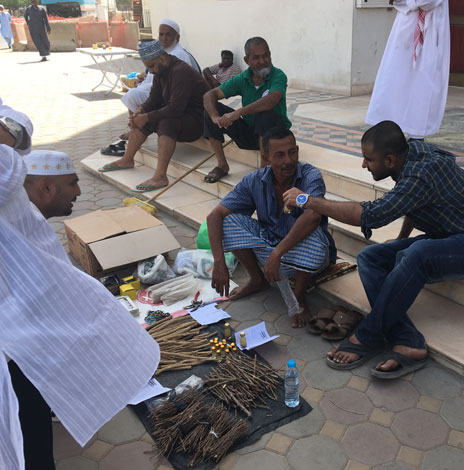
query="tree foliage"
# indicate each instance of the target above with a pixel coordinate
(13, 5)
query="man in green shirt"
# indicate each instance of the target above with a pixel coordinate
(262, 88)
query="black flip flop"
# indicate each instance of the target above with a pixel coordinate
(366, 353)
(405, 366)
(114, 150)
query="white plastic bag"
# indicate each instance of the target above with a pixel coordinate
(199, 263)
(154, 270)
(173, 290)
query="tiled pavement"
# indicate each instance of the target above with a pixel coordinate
(357, 423)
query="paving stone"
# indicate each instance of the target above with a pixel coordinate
(283, 339)
(308, 348)
(443, 458)
(97, 450)
(317, 453)
(261, 460)
(358, 383)
(64, 445)
(410, 456)
(77, 463)
(228, 462)
(319, 375)
(269, 316)
(109, 202)
(370, 444)
(147, 438)
(312, 395)
(429, 404)
(382, 417)
(395, 395)
(354, 465)
(275, 303)
(279, 443)
(346, 406)
(420, 429)
(456, 439)
(333, 430)
(393, 466)
(82, 205)
(435, 381)
(258, 445)
(453, 412)
(133, 455)
(245, 310)
(122, 428)
(306, 426)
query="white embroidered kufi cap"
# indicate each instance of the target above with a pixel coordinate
(20, 118)
(48, 162)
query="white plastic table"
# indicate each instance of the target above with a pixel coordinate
(105, 56)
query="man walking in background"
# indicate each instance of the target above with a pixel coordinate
(39, 27)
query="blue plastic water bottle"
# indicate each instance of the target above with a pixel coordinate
(292, 397)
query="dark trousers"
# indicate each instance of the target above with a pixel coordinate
(41, 42)
(394, 273)
(36, 422)
(245, 136)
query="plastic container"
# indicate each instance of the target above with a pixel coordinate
(292, 380)
(290, 300)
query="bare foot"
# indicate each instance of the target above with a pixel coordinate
(300, 320)
(344, 357)
(248, 288)
(412, 353)
(156, 182)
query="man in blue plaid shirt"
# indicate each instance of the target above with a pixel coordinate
(429, 192)
(287, 243)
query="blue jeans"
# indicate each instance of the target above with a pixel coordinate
(393, 274)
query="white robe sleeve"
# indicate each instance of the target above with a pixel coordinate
(422, 4)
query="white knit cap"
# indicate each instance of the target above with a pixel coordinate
(48, 162)
(172, 24)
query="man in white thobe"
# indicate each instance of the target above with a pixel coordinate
(70, 338)
(412, 82)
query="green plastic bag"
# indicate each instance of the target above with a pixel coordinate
(203, 243)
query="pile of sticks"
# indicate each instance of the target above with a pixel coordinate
(243, 383)
(181, 344)
(189, 424)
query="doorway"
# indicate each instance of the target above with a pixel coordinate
(457, 42)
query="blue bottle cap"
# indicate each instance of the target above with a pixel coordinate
(291, 363)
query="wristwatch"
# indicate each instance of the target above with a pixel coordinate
(15, 129)
(301, 200)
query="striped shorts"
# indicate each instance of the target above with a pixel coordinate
(310, 255)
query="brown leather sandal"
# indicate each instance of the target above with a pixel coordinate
(317, 325)
(342, 324)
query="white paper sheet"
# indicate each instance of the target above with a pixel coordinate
(209, 314)
(255, 335)
(152, 389)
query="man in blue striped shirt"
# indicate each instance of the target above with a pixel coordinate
(429, 192)
(288, 243)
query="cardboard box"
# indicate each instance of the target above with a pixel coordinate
(104, 240)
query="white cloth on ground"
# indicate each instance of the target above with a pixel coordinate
(414, 95)
(135, 97)
(71, 338)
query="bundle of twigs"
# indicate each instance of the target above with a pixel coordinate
(181, 344)
(189, 424)
(242, 382)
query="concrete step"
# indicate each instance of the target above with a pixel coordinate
(439, 319)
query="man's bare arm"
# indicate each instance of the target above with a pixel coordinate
(212, 81)
(210, 98)
(346, 212)
(406, 228)
(263, 104)
(220, 276)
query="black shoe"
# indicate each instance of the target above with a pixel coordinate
(44, 59)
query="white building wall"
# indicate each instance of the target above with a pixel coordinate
(312, 41)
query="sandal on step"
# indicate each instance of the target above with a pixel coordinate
(317, 324)
(342, 324)
(405, 366)
(114, 150)
(215, 175)
(364, 351)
